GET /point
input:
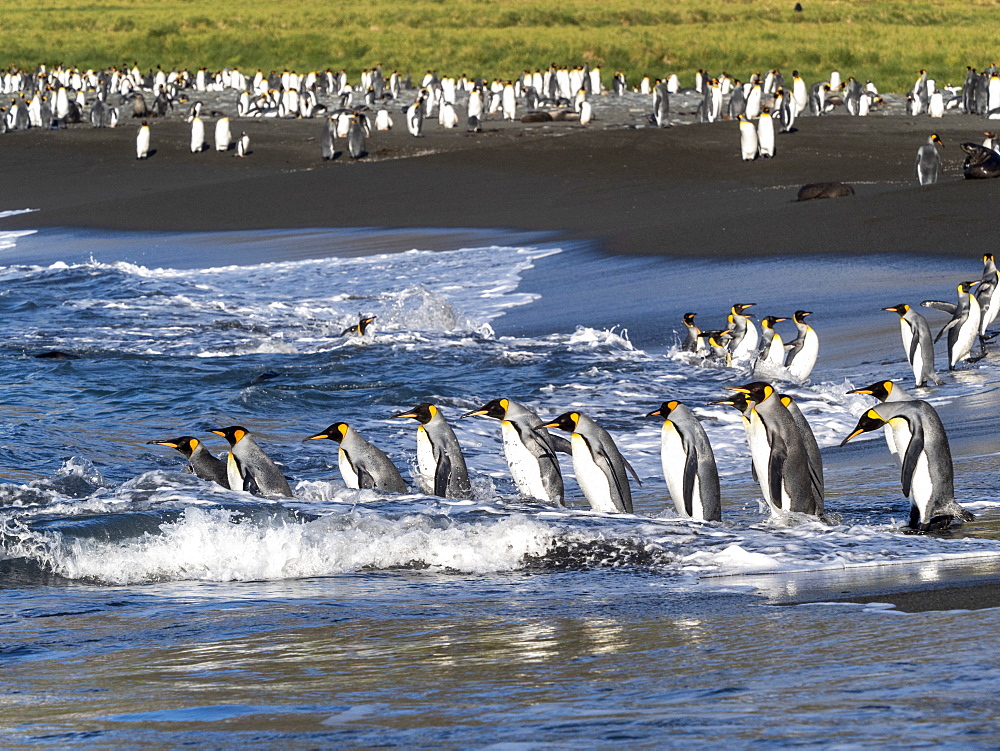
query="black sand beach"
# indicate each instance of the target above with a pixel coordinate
(681, 191)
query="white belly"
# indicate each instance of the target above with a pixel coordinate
(233, 472)
(748, 344)
(802, 365)
(760, 454)
(426, 464)
(523, 465)
(966, 334)
(593, 482)
(775, 354)
(347, 470)
(672, 458)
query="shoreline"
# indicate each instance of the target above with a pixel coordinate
(680, 191)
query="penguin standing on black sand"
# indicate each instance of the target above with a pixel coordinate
(362, 465)
(249, 468)
(688, 463)
(529, 448)
(201, 462)
(441, 469)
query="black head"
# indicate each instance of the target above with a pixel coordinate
(335, 432)
(880, 390)
(902, 309)
(566, 421)
(739, 402)
(665, 409)
(800, 315)
(496, 409)
(757, 391)
(185, 444)
(870, 420)
(422, 413)
(234, 433)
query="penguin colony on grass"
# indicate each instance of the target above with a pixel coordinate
(763, 106)
(785, 456)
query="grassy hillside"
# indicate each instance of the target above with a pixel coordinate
(885, 41)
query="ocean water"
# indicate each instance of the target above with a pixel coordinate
(142, 606)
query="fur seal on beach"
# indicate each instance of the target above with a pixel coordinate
(201, 462)
(361, 464)
(441, 469)
(529, 448)
(598, 464)
(929, 161)
(917, 343)
(927, 476)
(980, 163)
(536, 117)
(812, 191)
(688, 463)
(248, 467)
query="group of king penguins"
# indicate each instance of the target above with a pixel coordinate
(785, 456)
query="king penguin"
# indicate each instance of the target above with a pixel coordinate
(197, 135)
(243, 145)
(201, 461)
(248, 467)
(804, 349)
(927, 474)
(362, 465)
(142, 141)
(988, 295)
(929, 161)
(778, 449)
(745, 338)
(441, 469)
(598, 464)
(772, 349)
(223, 135)
(693, 340)
(917, 343)
(360, 327)
(886, 391)
(529, 448)
(356, 139)
(963, 328)
(748, 139)
(328, 139)
(688, 463)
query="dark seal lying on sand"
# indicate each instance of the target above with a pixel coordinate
(824, 190)
(981, 162)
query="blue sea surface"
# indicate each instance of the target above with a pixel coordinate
(142, 606)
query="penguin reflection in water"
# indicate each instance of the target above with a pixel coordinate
(598, 464)
(927, 474)
(201, 462)
(362, 465)
(441, 469)
(248, 467)
(529, 448)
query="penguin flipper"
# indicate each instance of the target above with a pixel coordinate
(250, 484)
(365, 478)
(690, 473)
(945, 307)
(631, 471)
(616, 478)
(913, 450)
(947, 326)
(775, 467)
(441, 474)
(560, 444)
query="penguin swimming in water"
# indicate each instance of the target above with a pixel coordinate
(529, 448)
(362, 465)
(804, 349)
(693, 340)
(963, 328)
(441, 469)
(142, 141)
(248, 467)
(688, 463)
(917, 343)
(927, 474)
(201, 462)
(929, 161)
(886, 391)
(778, 448)
(598, 464)
(360, 327)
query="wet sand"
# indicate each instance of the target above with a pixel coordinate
(682, 190)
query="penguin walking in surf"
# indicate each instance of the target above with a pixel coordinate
(887, 391)
(693, 340)
(744, 337)
(927, 474)
(598, 464)
(802, 352)
(771, 352)
(201, 462)
(917, 343)
(688, 463)
(249, 468)
(529, 448)
(963, 328)
(441, 468)
(789, 480)
(362, 465)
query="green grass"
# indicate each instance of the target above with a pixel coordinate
(887, 42)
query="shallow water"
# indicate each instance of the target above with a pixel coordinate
(144, 606)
